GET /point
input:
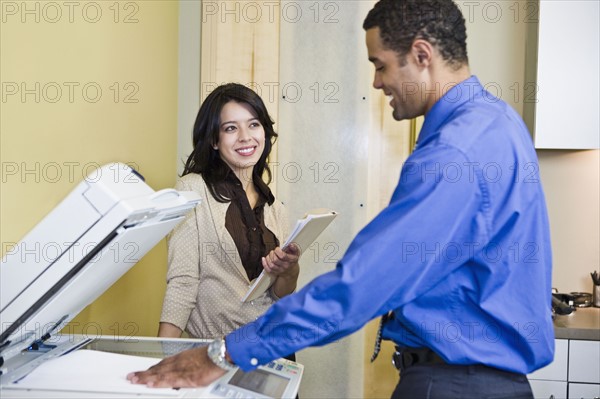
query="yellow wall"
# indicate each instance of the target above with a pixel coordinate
(83, 84)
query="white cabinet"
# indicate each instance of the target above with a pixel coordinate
(557, 370)
(564, 75)
(548, 389)
(551, 381)
(584, 361)
(574, 373)
(584, 369)
(584, 391)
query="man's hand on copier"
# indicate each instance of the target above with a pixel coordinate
(190, 368)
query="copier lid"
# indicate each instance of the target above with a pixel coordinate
(86, 243)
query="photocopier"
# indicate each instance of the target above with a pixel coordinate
(67, 261)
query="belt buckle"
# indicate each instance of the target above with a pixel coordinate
(401, 360)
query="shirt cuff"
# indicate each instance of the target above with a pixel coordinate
(274, 295)
(246, 349)
(175, 314)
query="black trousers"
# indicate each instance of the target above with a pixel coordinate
(444, 381)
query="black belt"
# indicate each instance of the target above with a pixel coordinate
(406, 357)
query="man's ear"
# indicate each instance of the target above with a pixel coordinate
(422, 52)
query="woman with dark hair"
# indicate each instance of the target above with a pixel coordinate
(235, 233)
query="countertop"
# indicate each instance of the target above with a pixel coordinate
(584, 323)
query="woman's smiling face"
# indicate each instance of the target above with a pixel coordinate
(241, 139)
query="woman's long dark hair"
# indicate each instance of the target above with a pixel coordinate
(204, 159)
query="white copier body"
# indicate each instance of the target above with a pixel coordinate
(95, 235)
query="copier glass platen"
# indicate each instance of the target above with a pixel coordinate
(96, 234)
(278, 379)
(78, 367)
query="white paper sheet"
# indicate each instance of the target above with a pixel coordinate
(92, 371)
(304, 233)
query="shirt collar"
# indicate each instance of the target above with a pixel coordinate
(465, 91)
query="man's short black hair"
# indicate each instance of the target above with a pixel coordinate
(440, 22)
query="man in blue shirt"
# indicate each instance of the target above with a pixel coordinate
(459, 263)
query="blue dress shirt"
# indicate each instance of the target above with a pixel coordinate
(461, 254)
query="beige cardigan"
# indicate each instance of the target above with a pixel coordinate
(206, 279)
